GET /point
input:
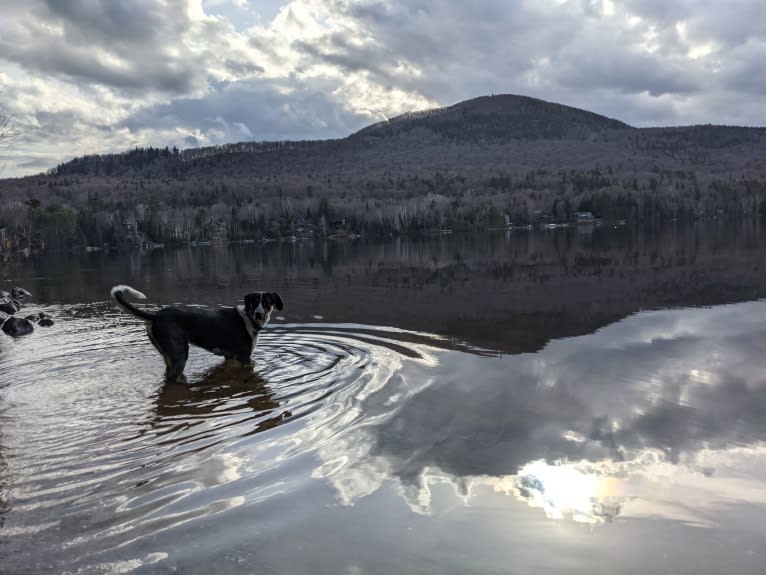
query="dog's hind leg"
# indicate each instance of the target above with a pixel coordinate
(175, 360)
(174, 350)
(175, 367)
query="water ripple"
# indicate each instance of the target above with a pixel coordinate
(98, 452)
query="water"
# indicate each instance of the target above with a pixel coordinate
(536, 403)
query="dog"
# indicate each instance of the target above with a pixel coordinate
(230, 332)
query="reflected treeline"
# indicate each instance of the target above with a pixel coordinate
(511, 291)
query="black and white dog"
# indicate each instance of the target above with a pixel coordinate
(230, 332)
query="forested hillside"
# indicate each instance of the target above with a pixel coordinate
(487, 162)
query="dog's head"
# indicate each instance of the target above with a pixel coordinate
(259, 306)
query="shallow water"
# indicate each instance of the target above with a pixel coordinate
(635, 447)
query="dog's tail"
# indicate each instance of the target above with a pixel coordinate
(118, 293)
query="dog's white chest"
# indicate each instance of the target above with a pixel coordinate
(251, 330)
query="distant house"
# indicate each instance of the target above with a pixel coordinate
(542, 217)
(304, 227)
(131, 231)
(585, 217)
(338, 224)
(221, 231)
(338, 229)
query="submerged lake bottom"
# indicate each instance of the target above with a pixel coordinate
(574, 401)
(362, 449)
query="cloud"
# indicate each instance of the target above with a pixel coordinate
(117, 44)
(590, 426)
(644, 62)
(252, 110)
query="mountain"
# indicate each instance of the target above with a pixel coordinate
(516, 132)
(498, 118)
(491, 120)
(476, 164)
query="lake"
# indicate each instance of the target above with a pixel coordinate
(578, 400)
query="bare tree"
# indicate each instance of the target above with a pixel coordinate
(8, 133)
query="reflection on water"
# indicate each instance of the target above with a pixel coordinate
(227, 389)
(637, 446)
(562, 489)
(510, 291)
(663, 402)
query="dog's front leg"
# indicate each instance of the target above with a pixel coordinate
(245, 356)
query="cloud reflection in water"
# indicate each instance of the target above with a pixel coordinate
(659, 415)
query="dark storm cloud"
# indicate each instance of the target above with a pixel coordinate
(87, 66)
(622, 72)
(117, 21)
(118, 44)
(459, 50)
(337, 51)
(735, 22)
(746, 73)
(441, 35)
(660, 10)
(409, 30)
(252, 110)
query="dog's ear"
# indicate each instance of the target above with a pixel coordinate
(251, 301)
(277, 300)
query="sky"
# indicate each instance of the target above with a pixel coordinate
(99, 76)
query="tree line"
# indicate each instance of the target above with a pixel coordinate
(75, 213)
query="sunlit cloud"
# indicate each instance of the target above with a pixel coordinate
(644, 63)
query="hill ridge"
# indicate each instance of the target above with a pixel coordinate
(503, 119)
(509, 115)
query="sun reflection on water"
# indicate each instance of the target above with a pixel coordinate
(563, 489)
